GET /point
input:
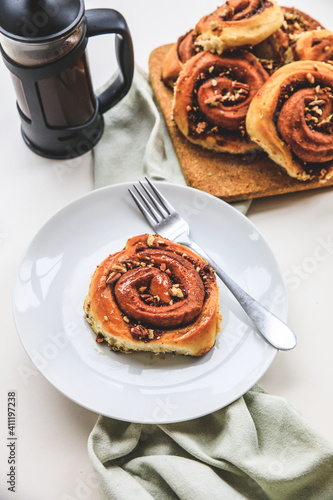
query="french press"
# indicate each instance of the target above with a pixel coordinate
(43, 44)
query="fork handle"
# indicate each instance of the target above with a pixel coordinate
(274, 330)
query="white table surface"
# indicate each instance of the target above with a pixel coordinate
(52, 431)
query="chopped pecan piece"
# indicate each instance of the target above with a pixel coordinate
(175, 291)
(119, 267)
(241, 86)
(113, 277)
(150, 240)
(139, 332)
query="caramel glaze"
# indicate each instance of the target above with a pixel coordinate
(157, 292)
(162, 315)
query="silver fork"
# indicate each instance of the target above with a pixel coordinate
(165, 220)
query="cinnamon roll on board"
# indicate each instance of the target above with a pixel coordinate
(212, 96)
(154, 296)
(291, 118)
(278, 49)
(314, 46)
(177, 56)
(230, 177)
(205, 112)
(238, 23)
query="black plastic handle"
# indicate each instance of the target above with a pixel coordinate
(100, 22)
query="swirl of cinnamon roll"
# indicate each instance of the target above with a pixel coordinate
(212, 96)
(291, 119)
(165, 312)
(238, 23)
(314, 46)
(154, 295)
(177, 56)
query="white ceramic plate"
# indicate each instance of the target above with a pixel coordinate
(53, 280)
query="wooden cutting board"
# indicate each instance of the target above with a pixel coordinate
(229, 177)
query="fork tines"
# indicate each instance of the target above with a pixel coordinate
(151, 202)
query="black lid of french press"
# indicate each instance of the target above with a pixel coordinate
(39, 20)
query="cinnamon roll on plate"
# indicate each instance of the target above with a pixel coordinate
(154, 296)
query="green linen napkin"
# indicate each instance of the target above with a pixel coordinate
(256, 448)
(135, 142)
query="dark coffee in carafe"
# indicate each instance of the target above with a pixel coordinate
(43, 44)
(67, 98)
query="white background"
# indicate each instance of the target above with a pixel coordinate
(52, 460)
